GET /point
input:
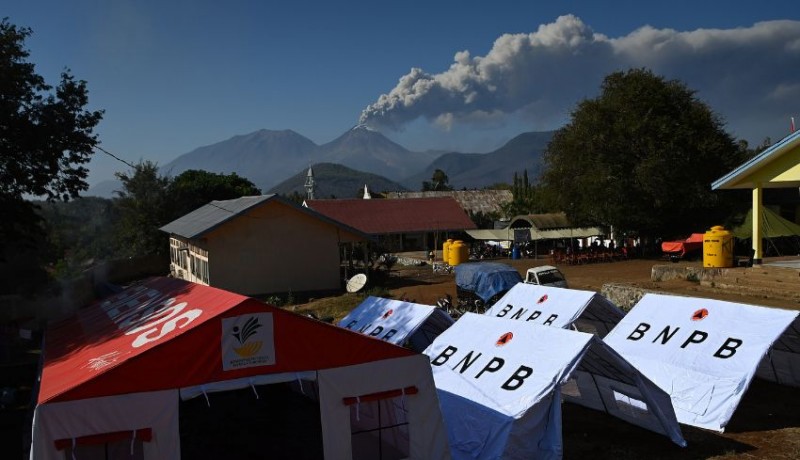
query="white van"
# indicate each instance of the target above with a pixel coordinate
(546, 275)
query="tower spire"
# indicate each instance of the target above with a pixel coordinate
(310, 184)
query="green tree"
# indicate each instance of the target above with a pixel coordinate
(526, 197)
(194, 188)
(46, 138)
(641, 157)
(439, 182)
(144, 206)
(80, 229)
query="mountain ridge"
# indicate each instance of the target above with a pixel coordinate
(270, 157)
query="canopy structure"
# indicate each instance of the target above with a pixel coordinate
(398, 322)
(772, 225)
(114, 372)
(551, 227)
(492, 234)
(586, 311)
(776, 167)
(486, 279)
(499, 386)
(702, 352)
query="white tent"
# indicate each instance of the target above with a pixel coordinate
(113, 374)
(782, 363)
(604, 380)
(398, 322)
(499, 383)
(702, 352)
(607, 382)
(550, 306)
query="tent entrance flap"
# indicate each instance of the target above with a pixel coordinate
(286, 422)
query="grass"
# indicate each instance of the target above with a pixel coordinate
(337, 307)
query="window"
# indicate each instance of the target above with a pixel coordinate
(379, 424)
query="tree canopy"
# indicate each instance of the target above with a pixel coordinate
(641, 157)
(144, 207)
(148, 201)
(194, 188)
(526, 197)
(439, 182)
(46, 139)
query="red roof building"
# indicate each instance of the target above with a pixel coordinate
(406, 224)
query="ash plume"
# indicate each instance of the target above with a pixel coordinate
(543, 74)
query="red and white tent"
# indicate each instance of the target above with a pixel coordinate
(116, 370)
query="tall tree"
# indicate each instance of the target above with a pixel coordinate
(194, 188)
(439, 182)
(641, 157)
(144, 207)
(46, 138)
(81, 229)
(526, 197)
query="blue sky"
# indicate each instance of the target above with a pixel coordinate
(176, 75)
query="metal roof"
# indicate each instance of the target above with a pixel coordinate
(541, 221)
(776, 150)
(380, 217)
(210, 216)
(484, 201)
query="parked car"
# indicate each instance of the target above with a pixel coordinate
(546, 275)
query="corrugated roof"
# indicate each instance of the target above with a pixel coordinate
(210, 216)
(492, 234)
(474, 201)
(541, 221)
(378, 217)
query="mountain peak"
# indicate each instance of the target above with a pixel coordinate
(363, 127)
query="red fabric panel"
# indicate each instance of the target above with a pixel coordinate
(191, 353)
(693, 243)
(350, 400)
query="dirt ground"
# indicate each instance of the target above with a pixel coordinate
(766, 424)
(426, 287)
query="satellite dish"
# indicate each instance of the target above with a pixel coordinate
(357, 282)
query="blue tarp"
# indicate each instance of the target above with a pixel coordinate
(486, 279)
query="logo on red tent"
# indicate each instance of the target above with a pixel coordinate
(699, 314)
(387, 314)
(250, 328)
(504, 339)
(542, 299)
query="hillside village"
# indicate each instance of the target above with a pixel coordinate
(228, 253)
(624, 287)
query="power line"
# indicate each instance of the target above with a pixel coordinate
(113, 156)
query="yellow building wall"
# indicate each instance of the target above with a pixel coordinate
(275, 248)
(786, 168)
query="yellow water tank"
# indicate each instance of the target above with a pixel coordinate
(458, 253)
(718, 248)
(446, 250)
